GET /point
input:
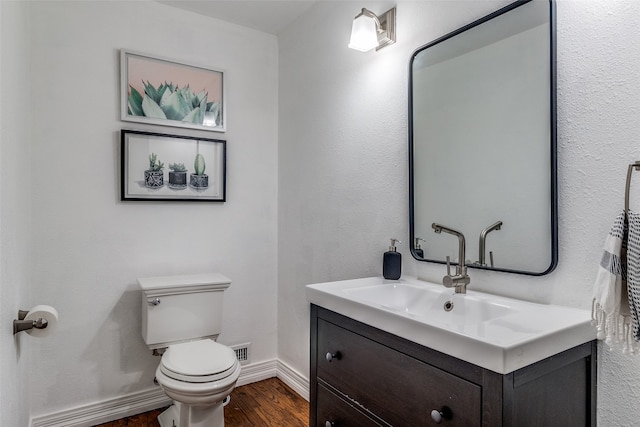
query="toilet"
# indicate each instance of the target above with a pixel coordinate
(181, 320)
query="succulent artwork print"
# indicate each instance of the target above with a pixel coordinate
(169, 101)
(199, 165)
(154, 164)
(177, 167)
(199, 180)
(177, 176)
(154, 177)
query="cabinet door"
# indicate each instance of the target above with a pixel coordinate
(399, 389)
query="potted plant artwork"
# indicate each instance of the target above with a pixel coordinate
(199, 180)
(177, 176)
(154, 176)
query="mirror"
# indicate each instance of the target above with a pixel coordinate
(482, 142)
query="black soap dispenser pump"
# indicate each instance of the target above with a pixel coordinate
(392, 262)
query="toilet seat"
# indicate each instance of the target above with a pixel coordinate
(201, 361)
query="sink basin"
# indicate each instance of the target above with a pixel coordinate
(418, 300)
(497, 333)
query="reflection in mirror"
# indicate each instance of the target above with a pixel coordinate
(482, 141)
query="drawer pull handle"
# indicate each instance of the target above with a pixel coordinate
(441, 415)
(330, 356)
(330, 424)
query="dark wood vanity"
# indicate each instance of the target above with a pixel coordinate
(363, 376)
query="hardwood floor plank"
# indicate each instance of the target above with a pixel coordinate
(269, 403)
(265, 403)
(241, 404)
(280, 403)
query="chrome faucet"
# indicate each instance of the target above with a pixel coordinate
(483, 240)
(461, 279)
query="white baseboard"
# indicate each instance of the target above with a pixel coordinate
(104, 411)
(147, 400)
(255, 372)
(298, 382)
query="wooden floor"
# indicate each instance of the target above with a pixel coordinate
(265, 403)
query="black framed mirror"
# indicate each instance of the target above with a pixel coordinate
(482, 142)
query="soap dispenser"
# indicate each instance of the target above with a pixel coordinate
(418, 249)
(392, 262)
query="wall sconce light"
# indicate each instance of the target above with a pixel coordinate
(369, 31)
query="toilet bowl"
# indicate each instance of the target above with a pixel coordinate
(182, 317)
(198, 375)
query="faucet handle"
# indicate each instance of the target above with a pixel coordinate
(448, 265)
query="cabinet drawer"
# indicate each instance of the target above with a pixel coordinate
(333, 409)
(398, 388)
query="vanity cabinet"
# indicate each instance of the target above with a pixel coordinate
(363, 376)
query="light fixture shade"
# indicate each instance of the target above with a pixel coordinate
(364, 32)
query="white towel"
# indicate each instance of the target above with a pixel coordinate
(610, 312)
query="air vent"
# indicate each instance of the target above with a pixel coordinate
(242, 352)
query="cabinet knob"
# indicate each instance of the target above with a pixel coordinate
(330, 356)
(330, 424)
(440, 415)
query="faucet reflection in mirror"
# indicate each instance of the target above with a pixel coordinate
(482, 247)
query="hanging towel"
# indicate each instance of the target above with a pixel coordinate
(611, 311)
(633, 270)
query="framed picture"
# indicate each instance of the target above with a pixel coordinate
(156, 166)
(164, 92)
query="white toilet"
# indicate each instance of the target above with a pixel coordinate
(181, 319)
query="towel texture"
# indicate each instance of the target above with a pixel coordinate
(633, 269)
(612, 312)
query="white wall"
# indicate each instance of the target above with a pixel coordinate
(343, 162)
(87, 247)
(341, 188)
(16, 352)
(343, 177)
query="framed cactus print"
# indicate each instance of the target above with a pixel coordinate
(157, 166)
(164, 92)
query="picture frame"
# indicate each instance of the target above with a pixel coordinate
(164, 92)
(163, 167)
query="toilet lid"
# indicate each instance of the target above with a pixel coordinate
(198, 361)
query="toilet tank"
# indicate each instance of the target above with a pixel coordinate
(181, 308)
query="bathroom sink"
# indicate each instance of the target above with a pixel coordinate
(419, 300)
(497, 333)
